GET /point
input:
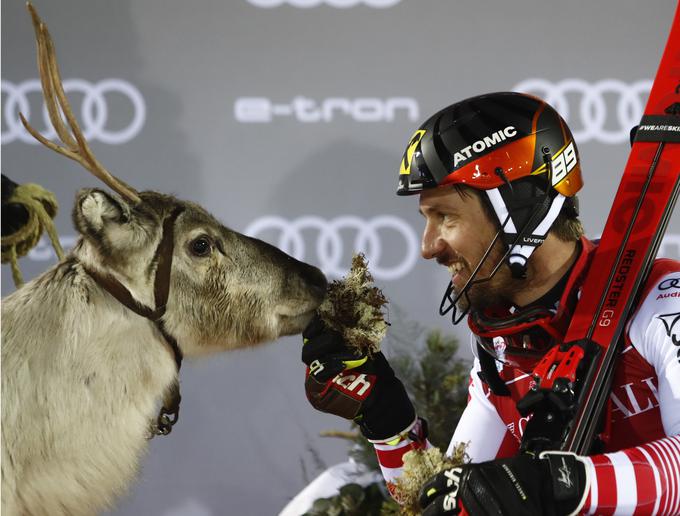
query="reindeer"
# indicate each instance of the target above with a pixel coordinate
(92, 347)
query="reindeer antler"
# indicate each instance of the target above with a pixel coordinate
(75, 145)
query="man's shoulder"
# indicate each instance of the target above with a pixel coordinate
(662, 286)
(655, 323)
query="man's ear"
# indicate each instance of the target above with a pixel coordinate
(95, 208)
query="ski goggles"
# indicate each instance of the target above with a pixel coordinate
(519, 339)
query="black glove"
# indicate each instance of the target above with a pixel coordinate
(553, 485)
(353, 386)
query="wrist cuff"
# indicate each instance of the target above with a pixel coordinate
(570, 480)
(396, 438)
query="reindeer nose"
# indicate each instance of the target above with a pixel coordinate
(314, 278)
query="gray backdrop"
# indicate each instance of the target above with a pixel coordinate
(287, 119)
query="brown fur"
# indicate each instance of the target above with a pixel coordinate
(82, 375)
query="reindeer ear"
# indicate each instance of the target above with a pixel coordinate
(95, 209)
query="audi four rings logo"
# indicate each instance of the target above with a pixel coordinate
(331, 248)
(303, 109)
(606, 110)
(94, 113)
(341, 4)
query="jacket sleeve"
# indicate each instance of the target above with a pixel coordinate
(391, 453)
(646, 479)
(640, 480)
(480, 427)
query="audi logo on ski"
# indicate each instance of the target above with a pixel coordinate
(94, 109)
(485, 143)
(307, 110)
(599, 119)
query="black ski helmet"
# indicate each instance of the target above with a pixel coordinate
(514, 147)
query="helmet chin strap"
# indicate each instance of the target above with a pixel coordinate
(523, 245)
(507, 203)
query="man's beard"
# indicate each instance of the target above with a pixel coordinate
(497, 290)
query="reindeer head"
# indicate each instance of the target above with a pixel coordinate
(205, 285)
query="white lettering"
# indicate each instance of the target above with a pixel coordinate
(452, 476)
(409, 105)
(369, 110)
(494, 139)
(563, 163)
(652, 388)
(303, 108)
(253, 109)
(316, 367)
(450, 501)
(634, 402)
(360, 381)
(343, 380)
(335, 104)
(485, 143)
(659, 128)
(635, 407)
(306, 110)
(350, 382)
(620, 406)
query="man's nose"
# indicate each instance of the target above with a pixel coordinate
(431, 244)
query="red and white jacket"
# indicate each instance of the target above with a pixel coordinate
(639, 473)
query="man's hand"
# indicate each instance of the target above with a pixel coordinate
(353, 386)
(553, 484)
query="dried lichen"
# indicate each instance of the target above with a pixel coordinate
(419, 467)
(353, 308)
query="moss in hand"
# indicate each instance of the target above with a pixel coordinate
(353, 307)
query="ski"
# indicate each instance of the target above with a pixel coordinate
(574, 379)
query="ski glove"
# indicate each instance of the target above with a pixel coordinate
(553, 485)
(354, 386)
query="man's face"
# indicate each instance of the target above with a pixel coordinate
(457, 233)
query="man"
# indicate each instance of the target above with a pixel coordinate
(497, 177)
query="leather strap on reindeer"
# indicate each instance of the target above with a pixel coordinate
(74, 146)
(169, 413)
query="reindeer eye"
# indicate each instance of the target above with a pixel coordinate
(201, 246)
